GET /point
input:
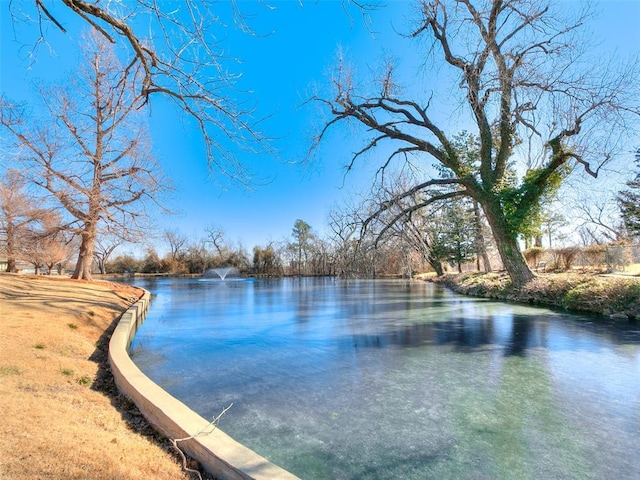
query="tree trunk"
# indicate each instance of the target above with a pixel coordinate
(508, 247)
(486, 261)
(11, 265)
(538, 240)
(84, 263)
(11, 253)
(481, 247)
(436, 265)
(514, 263)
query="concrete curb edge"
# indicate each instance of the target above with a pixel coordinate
(218, 453)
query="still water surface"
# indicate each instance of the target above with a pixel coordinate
(363, 379)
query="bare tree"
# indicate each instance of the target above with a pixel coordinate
(420, 230)
(529, 93)
(198, 259)
(104, 247)
(345, 224)
(600, 217)
(596, 218)
(423, 240)
(20, 214)
(177, 242)
(50, 247)
(215, 236)
(93, 154)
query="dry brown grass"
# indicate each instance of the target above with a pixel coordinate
(601, 294)
(60, 417)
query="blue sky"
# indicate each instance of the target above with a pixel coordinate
(295, 49)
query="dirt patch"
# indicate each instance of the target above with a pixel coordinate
(60, 414)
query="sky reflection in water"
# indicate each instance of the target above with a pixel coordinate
(360, 379)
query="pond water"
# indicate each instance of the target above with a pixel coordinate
(363, 379)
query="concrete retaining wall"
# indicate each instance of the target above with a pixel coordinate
(218, 453)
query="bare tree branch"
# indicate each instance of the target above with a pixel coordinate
(182, 59)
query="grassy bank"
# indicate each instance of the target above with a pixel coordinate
(613, 297)
(61, 416)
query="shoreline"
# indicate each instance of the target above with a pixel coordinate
(615, 298)
(62, 416)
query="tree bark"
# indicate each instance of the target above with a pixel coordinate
(508, 248)
(11, 265)
(538, 240)
(11, 254)
(436, 265)
(83, 270)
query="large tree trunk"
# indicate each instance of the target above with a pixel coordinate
(85, 257)
(508, 247)
(512, 258)
(11, 265)
(436, 265)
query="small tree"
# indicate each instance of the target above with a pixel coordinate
(302, 243)
(48, 245)
(124, 264)
(458, 235)
(215, 236)
(177, 244)
(533, 255)
(20, 214)
(151, 263)
(104, 247)
(198, 259)
(345, 225)
(266, 261)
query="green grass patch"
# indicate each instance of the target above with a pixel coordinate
(39, 346)
(67, 372)
(72, 326)
(7, 370)
(604, 294)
